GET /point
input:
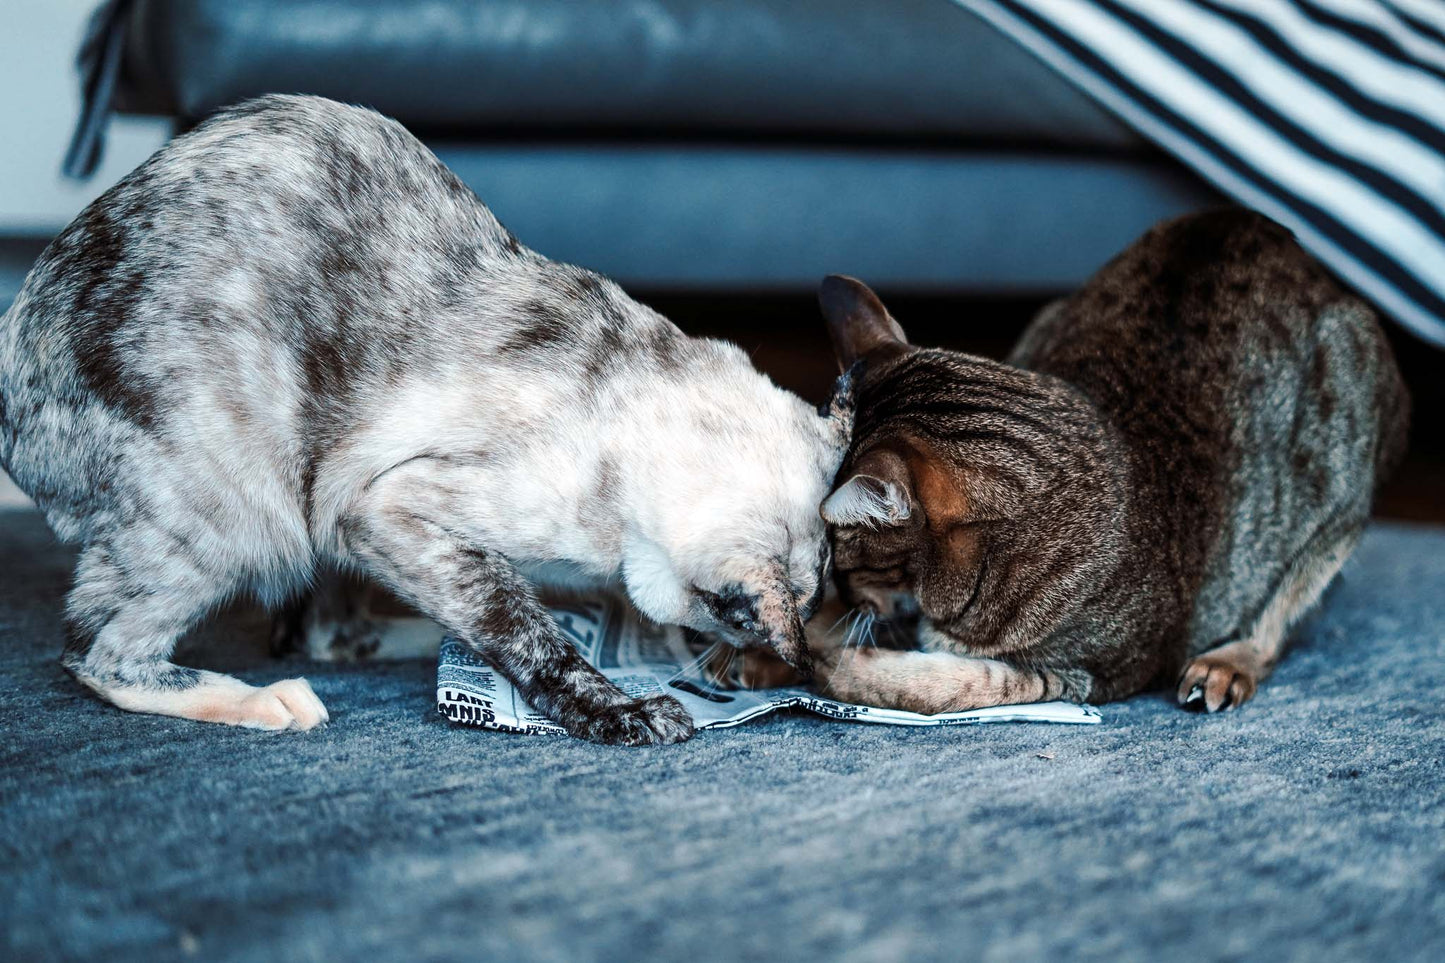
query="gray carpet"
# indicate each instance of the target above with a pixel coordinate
(1311, 824)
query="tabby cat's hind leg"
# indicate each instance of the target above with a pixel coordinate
(1229, 674)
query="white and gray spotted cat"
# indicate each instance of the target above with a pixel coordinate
(293, 342)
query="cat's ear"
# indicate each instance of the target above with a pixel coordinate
(842, 403)
(858, 323)
(868, 501)
(878, 492)
(949, 494)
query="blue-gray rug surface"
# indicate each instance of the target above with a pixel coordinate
(1311, 824)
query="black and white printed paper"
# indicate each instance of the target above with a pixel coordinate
(643, 658)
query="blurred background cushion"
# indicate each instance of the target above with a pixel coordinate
(881, 68)
(757, 216)
(690, 145)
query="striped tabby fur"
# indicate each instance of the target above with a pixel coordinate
(1166, 474)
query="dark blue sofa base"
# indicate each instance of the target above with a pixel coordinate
(725, 217)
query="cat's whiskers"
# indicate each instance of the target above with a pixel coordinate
(713, 681)
(696, 664)
(839, 621)
(851, 617)
(870, 621)
(852, 641)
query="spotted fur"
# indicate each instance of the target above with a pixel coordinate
(293, 342)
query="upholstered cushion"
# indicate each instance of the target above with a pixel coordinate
(812, 68)
(711, 217)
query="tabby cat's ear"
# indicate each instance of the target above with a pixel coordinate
(858, 322)
(878, 492)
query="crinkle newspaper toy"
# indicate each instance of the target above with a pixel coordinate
(643, 658)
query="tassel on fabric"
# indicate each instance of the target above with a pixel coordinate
(99, 63)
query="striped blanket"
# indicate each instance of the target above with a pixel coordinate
(1327, 115)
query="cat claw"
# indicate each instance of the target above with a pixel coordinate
(1213, 684)
(1195, 702)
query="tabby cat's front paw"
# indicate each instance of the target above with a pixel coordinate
(655, 719)
(1212, 682)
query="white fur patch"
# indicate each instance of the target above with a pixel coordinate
(288, 704)
(652, 583)
(865, 500)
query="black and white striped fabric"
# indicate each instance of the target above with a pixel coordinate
(1327, 115)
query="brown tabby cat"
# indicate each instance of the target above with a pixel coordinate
(1170, 469)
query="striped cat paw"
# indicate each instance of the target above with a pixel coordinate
(1214, 682)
